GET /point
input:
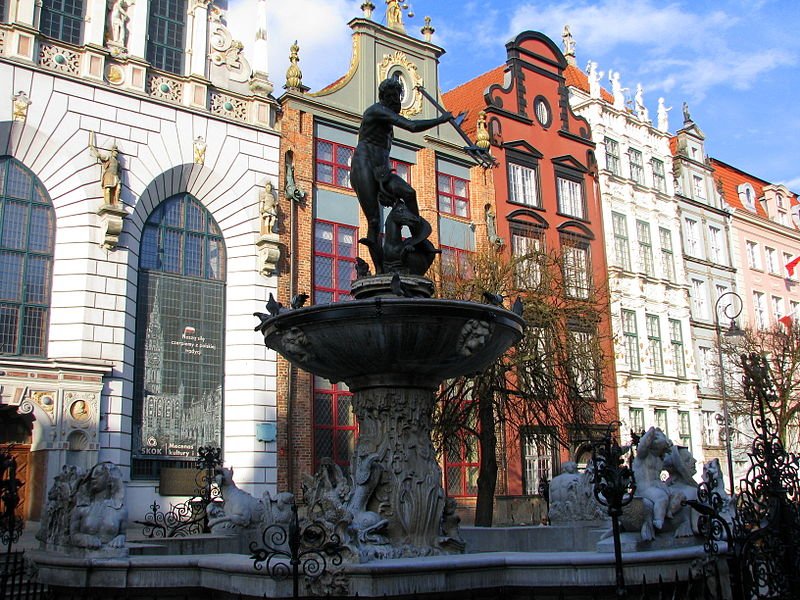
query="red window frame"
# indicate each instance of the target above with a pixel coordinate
(403, 169)
(449, 195)
(466, 464)
(337, 166)
(461, 259)
(341, 264)
(337, 419)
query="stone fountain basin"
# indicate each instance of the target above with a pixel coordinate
(382, 342)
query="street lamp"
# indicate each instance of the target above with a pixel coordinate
(734, 332)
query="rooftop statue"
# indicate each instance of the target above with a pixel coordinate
(371, 174)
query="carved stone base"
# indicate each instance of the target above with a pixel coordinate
(394, 445)
(412, 286)
(269, 253)
(111, 221)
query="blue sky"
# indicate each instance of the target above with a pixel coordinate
(736, 62)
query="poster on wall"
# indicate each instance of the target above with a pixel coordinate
(179, 367)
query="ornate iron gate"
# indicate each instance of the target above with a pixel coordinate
(761, 533)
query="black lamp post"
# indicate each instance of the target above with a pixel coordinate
(733, 332)
(614, 486)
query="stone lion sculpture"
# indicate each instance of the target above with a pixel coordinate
(99, 518)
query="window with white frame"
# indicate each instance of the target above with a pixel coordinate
(753, 255)
(636, 417)
(630, 338)
(527, 244)
(660, 419)
(760, 310)
(570, 197)
(706, 360)
(621, 247)
(699, 299)
(538, 459)
(788, 258)
(667, 256)
(715, 245)
(691, 232)
(793, 306)
(685, 428)
(577, 264)
(710, 428)
(676, 343)
(637, 166)
(699, 187)
(778, 308)
(645, 247)
(583, 371)
(654, 342)
(522, 185)
(612, 156)
(659, 179)
(771, 257)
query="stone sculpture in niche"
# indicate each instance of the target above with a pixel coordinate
(371, 173)
(109, 171)
(118, 19)
(268, 206)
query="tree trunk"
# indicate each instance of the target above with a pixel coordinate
(487, 474)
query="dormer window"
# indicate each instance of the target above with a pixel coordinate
(747, 196)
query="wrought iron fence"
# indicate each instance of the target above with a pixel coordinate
(301, 548)
(759, 533)
(189, 517)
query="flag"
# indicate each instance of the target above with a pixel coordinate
(786, 320)
(792, 264)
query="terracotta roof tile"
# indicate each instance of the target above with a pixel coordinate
(468, 98)
(579, 79)
(731, 178)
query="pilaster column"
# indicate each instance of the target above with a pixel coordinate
(25, 11)
(137, 30)
(196, 37)
(95, 24)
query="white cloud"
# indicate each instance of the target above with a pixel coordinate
(793, 184)
(319, 26)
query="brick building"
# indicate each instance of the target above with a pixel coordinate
(546, 199)
(324, 222)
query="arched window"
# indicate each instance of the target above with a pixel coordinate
(179, 336)
(61, 19)
(27, 237)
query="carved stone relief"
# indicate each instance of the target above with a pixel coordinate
(59, 59)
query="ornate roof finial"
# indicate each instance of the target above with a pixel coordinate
(367, 7)
(427, 30)
(294, 76)
(394, 15)
(568, 43)
(482, 135)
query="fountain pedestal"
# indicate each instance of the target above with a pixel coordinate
(393, 353)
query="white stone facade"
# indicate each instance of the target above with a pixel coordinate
(157, 128)
(647, 281)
